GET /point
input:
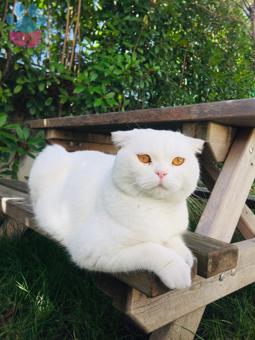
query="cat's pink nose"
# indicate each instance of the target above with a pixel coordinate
(161, 174)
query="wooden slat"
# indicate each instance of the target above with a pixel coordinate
(70, 135)
(232, 112)
(218, 137)
(17, 185)
(157, 312)
(182, 329)
(246, 223)
(213, 256)
(82, 146)
(204, 193)
(231, 189)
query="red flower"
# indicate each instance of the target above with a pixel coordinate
(34, 39)
(19, 38)
(22, 39)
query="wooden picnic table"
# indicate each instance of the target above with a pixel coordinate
(228, 128)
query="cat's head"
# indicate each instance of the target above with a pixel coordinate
(156, 163)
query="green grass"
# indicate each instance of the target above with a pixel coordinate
(44, 296)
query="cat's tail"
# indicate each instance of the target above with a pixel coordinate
(49, 168)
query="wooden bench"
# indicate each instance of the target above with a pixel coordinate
(228, 130)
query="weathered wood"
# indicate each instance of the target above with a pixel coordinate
(204, 193)
(181, 329)
(246, 223)
(236, 176)
(148, 283)
(79, 146)
(213, 256)
(70, 135)
(17, 185)
(159, 311)
(218, 137)
(232, 112)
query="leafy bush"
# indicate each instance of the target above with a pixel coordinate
(129, 55)
(15, 142)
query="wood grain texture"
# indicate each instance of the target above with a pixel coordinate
(64, 134)
(159, 311)
(213, 256)
(231, 189)
(231, 112)
(72, 146)
(218, 137)
(204, 193)
(246, 223)
(181, 329)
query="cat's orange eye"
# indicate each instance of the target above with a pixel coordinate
(177, 161)
(144, 158)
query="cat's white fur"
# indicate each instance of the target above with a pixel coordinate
(111, 212)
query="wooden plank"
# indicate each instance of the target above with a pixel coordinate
(204, 193)
(17, 185)
(213, 256)
(148, 283)
(71, 135)
(246, 223)
(159, 311)
(231, 112)
(82, 146)
(182, 329)
(231, 189)
(218, 137)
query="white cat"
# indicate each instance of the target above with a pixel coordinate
(125, 212)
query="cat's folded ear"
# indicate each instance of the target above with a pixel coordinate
(196, 144)
(121, 138)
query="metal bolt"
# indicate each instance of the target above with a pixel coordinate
(233, 272)
(222, 277)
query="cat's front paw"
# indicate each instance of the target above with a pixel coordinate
(179, 247)
(188, 257)
(176, 275)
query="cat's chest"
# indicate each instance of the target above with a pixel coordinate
(153, 219)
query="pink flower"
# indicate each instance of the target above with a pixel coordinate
(19, 38)
(34, 38)
(22, 39)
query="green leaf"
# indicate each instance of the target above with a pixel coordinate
(17, 89)
(26, 133)
(19, 132)
(79, 89)
(48, 101)
(3, 119)
(110, 95)
(41, 87)
(98, 102)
